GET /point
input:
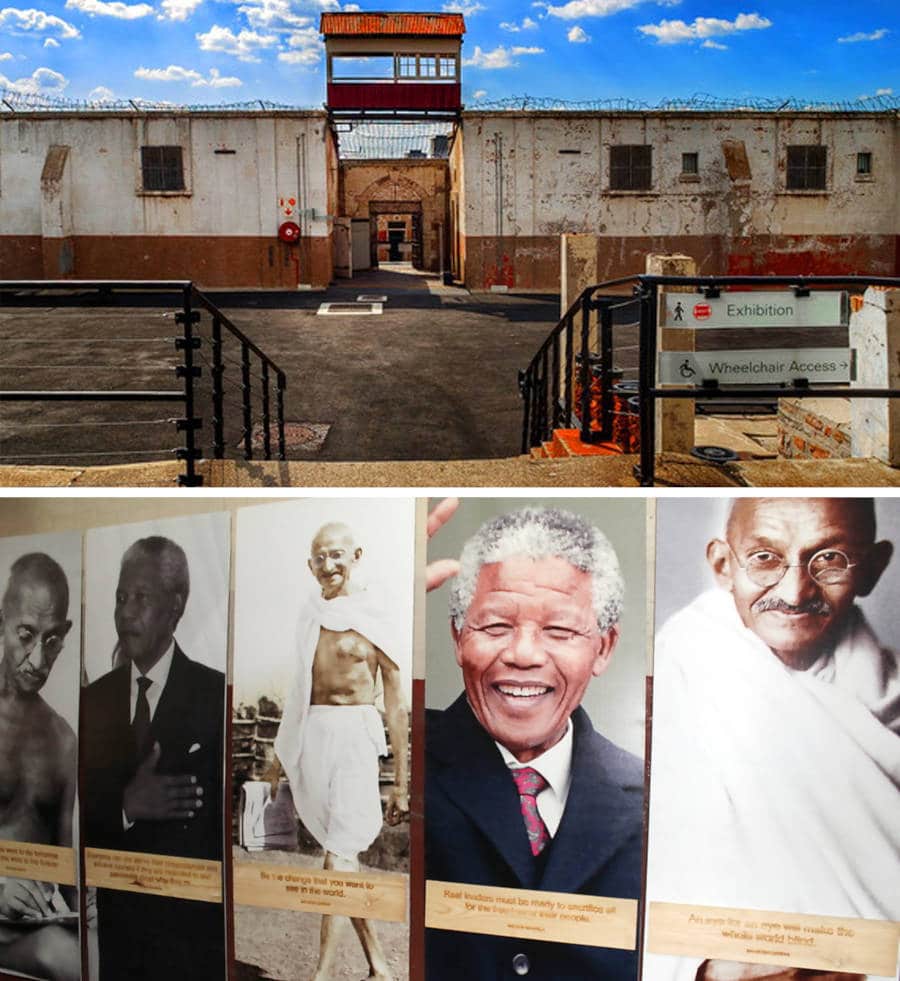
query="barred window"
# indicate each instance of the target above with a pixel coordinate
(630, 168)
(864, 164)
(690, 164)
(162, 168)
(806, 168)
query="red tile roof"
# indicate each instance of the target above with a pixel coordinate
(444, 25)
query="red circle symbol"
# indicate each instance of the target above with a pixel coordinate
(702, 311)
(289, 231)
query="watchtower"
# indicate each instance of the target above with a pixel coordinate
(393, 65)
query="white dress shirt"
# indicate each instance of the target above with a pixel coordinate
(159, 675)
(555, 766)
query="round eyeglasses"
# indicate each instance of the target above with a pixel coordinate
(828, 567)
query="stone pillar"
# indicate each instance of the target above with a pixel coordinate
(578, 270)
(674, 417)
(57, 242)
(875, 334)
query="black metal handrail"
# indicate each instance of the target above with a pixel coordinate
(545, 406)
(189, 370)
(549, 392)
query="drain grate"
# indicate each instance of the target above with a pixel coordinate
(351, 309)
(371, 298)
(299, 437)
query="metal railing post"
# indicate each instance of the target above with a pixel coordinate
(606, 373)
(218, 383)
(554, 385)
(545, 393)
(279, 408)
(570, 360)
(267, 436)
(525, 390)
(647, 383)
(585, 369)
(188, 371)
(245, 399)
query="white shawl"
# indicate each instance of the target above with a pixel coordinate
(772, 789)
(370, 613)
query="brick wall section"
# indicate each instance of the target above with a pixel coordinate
(807, 429)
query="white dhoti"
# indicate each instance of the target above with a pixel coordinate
(771, 789)
(337, 795)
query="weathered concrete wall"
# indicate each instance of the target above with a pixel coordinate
(383, 183)
(240, 170)
(529, 176)
(457, 206)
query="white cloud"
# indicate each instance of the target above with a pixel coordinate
(42, 81)
(6, 56)
(587, 8)
(273, 15)
(577, 35)
(101, 94)
(887, 91)
(16, 21)
(677, 31)
(527, 25)
(178, 10)
(714, 45)
(175, 73)
(51, 42)
(479, 94)
(862, 36)
(242, 45)
(500, 57)
(113, 8)
(306, 48)
(466, 9)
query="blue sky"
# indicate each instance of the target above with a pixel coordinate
(214, 51)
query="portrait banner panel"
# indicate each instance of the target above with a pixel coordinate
(534, 732)
(40, 642)
(774, 787)
(322, 669)
(152, 747)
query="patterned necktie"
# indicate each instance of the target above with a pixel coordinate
(530, 783)
(141, 724)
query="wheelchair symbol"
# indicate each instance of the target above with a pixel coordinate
(686, 369)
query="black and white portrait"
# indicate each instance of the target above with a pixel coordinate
(40, 646)
(152, 717)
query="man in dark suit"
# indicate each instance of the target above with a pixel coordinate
(152, 744)
(521, 791)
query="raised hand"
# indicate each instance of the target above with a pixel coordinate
(439, 571)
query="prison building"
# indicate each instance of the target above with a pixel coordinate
(267, 199)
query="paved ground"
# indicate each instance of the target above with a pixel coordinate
(434, 377)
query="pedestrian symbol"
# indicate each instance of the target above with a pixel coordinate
(679, 313)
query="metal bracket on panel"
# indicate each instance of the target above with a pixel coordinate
(800, 383)
(182, 425)
(181, 346)
(182, 372)
(183, 453)
(195, 317)
(712, 292)
(800, 291)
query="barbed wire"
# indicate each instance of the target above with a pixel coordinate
(699, 102)
(15, 101)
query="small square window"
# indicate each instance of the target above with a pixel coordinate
(407, 66)
(427, 67)
(864, 164)
(162, 168)
(447, 67)
(690, 164)
(806, 168)
(630, 168)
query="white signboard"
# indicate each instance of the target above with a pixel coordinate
(761, 367)
(757, 309)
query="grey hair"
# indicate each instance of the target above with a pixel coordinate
(170, 560)
(539, 533)
(37, 567)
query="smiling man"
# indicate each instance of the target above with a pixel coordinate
(152, 745)
(331, 733)
(776, 748)
(521, 791)
(38, 769)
